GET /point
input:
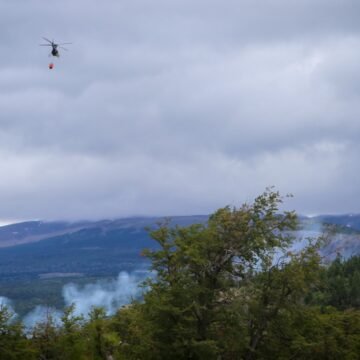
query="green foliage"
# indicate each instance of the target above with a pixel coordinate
(101, 341)
(13, 342)
(71, 341)
(228, 289)
(45, 338)
(342, 283)
(203, 269)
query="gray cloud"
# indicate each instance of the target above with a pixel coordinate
(178, 108)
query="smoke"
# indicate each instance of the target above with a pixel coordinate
(6, 302)
(109, 295)
(42, 314)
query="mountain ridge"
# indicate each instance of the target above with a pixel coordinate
(106, 247)
(44, 256)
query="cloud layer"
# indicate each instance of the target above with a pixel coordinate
(178, 107)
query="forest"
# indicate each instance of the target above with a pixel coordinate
(229, 288)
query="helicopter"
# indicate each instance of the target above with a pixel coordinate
(55, 47)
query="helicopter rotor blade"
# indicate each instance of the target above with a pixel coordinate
(51, 42)
(65, 44)
(45, 45)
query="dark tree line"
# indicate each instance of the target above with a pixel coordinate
(228, 289)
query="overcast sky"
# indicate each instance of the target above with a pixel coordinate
(178, 107)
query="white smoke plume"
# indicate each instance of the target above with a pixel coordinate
(6, 302)
(109, 295)
(40, 315)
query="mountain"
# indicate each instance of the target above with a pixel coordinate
(32, 231)
(38, 258)
(36, 249)
(350, 221)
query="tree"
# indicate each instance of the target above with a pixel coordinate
(201, 271)
(45, 337)
(342, 283)
(102, 342)
(277, 297)
(71, 343)
(13, 342)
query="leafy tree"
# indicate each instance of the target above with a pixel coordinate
(13, 342)
(200, 267)
(71, 342)
(102, 342)
(342, 283)
(45, 337)
(228, 289)
(277, 301)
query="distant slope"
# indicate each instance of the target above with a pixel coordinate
(100, 248)
(32, 231)
(103, 248)
(38, 258)
(351, 221)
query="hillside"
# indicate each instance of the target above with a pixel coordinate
(36, 249)
(38, 258)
